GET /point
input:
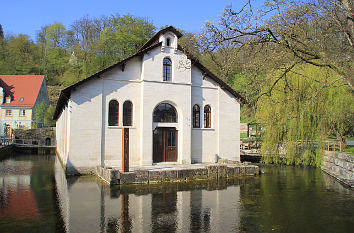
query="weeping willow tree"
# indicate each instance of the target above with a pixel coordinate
(304, 107)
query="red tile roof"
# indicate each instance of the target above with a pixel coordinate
(21, 86)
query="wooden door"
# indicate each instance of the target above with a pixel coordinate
(157, 145)
(171, 145)
(165, 145)
(125, 152)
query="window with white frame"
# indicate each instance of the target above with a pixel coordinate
(167, 65)
(127, 113)
(22, 112)
(8, 112)
(113, 113)
(207, 116)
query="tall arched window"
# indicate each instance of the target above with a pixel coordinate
(167, 64)
(127, 113)
(168, 42)
(207, 116)
(196, 116)
(165, 113)
(113, 113)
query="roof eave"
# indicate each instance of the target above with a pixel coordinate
(66, 93)
(208, 73)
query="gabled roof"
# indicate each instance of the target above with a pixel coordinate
(65, 94)
(150, 44)
(155, 38)
(22, 89)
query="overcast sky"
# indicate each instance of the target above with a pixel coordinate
(28, 16)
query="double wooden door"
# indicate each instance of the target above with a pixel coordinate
(165, 145)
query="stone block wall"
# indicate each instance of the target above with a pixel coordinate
(340, 166)
(41, 136)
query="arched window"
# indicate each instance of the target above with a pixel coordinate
(196, 116)
(165, 113)
(167, 64)
(127, 113)
(113, 113)
(207, 116)
(168, 42)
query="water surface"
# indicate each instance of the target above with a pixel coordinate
(35, 196)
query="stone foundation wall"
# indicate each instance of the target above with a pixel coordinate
(6, 151)
(340, 166)
(39, 136)
(217, 171)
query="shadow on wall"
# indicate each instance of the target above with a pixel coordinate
(70, 169)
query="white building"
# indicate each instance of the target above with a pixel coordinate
(176, 111)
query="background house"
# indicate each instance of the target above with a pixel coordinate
(19, 96)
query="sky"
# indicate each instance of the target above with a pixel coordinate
(28, 16)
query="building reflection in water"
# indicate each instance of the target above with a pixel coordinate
(17, 200)
(87, 205)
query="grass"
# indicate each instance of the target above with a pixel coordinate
(349, 150)
(243, 135)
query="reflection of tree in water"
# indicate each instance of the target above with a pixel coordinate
(164, 212)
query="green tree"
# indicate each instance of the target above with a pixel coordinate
(122, 37)
(1, 33)
(48, 116)
(276, 42)
(85, 45)
(23, 56)
(53, 41)
(39, 112)
(315, 32)
(300, 114)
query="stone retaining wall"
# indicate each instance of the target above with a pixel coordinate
(215, 171)
(6, 151)
(340, 166)
(41, 136)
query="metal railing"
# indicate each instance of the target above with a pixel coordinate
(6, 141)
(30, 142)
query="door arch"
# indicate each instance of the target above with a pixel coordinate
(165, 137)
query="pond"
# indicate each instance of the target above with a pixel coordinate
(35, 196)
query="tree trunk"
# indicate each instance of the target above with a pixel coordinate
(340, 138)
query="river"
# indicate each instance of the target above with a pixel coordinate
(35, 196)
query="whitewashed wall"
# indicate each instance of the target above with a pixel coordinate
(86, 127)
(122, 86)
(177, 92)
(85, 140)
(62, 135)
(229, 126)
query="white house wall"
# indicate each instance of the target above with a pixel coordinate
(122, 90)
(229, 125)
(179, 97)
(86, 127)
(85, 140)
(205, 92)
(62, 131)
(177, 92)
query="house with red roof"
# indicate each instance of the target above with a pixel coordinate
(19, 96)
